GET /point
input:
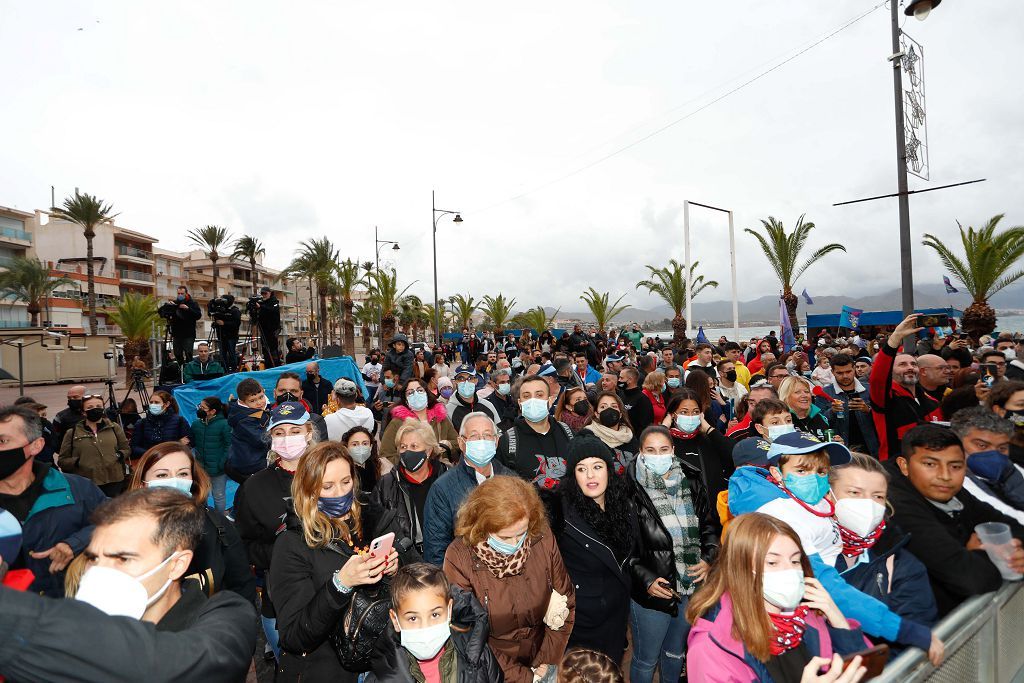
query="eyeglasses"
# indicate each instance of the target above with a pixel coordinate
(415, 391)
(86, 397)
(478, 436)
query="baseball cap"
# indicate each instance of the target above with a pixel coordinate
(465, 370)
(264, 288)
(288, 413)
(613, 358)
(796, 443)
(547, 370)
(10, 537)
(751, 451)
(346, 388)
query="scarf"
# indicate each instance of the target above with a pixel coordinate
(789, 629)
(680, 434)
(502, 565)
(573, 421)
(854, 545)
(673, 501)
(613, 438)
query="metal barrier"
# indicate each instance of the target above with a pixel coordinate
(983, 640)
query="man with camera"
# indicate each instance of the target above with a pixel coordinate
(182, 323)
(227, 319)
(266, 310)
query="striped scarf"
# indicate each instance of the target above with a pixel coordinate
(673, 501)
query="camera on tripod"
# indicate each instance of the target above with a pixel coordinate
(168, 310)
(252, 306)
(218, 308)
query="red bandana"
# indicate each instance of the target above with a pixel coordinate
(789, 629)
(854, 545)
(680, 434)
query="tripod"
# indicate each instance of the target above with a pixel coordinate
(252, 345)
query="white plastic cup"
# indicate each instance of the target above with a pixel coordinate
(998, 543)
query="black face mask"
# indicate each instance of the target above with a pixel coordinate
(413, 460)
(621, 385)
(373, 359)
(731, 375)
(286, 397)
(11, 460)
(200, 413)
(75, 403)
(609, 417)
(94, 414)
(581, 407)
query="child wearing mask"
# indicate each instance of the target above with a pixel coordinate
(248, 417)
(440, 633)
(771, 419)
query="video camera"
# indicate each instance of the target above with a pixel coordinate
(252, 306)
(168, 310)
(218, 308)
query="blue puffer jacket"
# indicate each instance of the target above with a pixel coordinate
(248, 450)
(59, 515)
(154, 429)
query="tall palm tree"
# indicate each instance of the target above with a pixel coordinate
(366, 315)
(782, 250)
(410, 308)
(465, 306)
(250, 249)
(212, 239)
(498, 310)
(669, 283)
(535, 319)
(349, 279)
(386, 296)
(318, 259)
(602, 311)
(87, 211)
(29, 280)
(135, 315)
(984, 268)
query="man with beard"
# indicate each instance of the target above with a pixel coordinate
(898, 402)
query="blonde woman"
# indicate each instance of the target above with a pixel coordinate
(654, 389)
(796, 392)
(320, 558)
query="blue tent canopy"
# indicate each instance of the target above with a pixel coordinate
(875, 318)
(457, 336)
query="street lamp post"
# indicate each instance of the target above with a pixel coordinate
(378, 243)
(435, 215)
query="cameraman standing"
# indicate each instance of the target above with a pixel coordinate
(183, 325)
(228, 319)
(269, 321)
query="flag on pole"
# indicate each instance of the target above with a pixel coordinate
(701, 337)
(807, 297)
(788, 340)
(950, 289)
(850, 318)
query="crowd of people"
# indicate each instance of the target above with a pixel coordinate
(531, 508)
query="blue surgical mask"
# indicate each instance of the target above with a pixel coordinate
(177, 483)
(446, 392)
(181, 297)
(534, 409)
(389, 383)
(467, 388)
(810, 488)
(659, 464)
(155, 408)
(481, 452)
(337, 506)
(417, 400)
(688, 423)
(775, 431)
(991, 465)
(674, 382)
(505, 389)
(505, 548)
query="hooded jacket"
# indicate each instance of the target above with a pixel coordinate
(212, 441)
(399, 363)
(896, 410)
(437, 418)
(98, 457)
(248, 450)
(154, 429)
(467, 657)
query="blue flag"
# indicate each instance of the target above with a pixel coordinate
(850, 318)
(807, 297)
(701, 338)
(788, 339)
(950, 289)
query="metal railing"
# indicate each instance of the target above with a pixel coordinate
(982, 638)
(14, 233)
(125, 250)
(125, 274)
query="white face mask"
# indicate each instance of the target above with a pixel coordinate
(360, 454)
(1010, 354)
(860, 515)
(784, 589)
(119, 594)
(425, 643)
(775, 431)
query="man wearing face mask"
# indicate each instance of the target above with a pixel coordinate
(349, 413)
(728, 381)
(70, 416)
(140, 550)
(52, 507)
(183, 325)
(641, 412)
(478, 440)
(289, 389)
(501, 398)
(991, 476)
(372, 371)
(1013, 352)
(316, 390)
(535, 446)
(465, 400)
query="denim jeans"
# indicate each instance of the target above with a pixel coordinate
(658, 638)
(270, 631)
(218, 485)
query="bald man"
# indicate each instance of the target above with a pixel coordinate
(934, 375)
(70, 416)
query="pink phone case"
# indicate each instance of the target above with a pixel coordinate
(381, 546)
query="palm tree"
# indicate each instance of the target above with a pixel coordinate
(536, 319)
(212, 239)
(27, 279)
(317, 260)
(498, 310)
(464, 308)
(410, 308)
(250, 249)
(783, 251)
(366, 315)
(984, 270)
(349, 278)
(669, 283)
(135, 315)
(385, 297)
(87, 211)
(603, 313)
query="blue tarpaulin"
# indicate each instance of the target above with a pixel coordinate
(871, 318)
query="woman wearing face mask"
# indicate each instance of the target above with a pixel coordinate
(320, 557)
(874, 559)
(711, 402)
(162, 423)
(796, 392)
(698, 443)
(1006, 399)
(129, 416)
(574, 409)
(595, 524)
(678, 539)
(96, 449)
(213, 437)
(219, 559)
(505, 554)
(445, 389)
(261, 502)
(401, 494)
(417, 403)
(778, 625)
(610, 423)
(369, 465)
(654, 389)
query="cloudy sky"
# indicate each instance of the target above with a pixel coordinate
(295, 120)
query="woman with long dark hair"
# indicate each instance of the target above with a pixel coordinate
(573, 408)
(610, 423)
(416, 402)
(162, 423)
(213, 437)
(363, 449)
(698, 443)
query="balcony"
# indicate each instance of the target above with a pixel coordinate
(128, 253)
(15, 236)
(135, 276)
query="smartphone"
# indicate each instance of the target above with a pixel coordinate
(987, 369)
(873, 659)
(938, 320)
(381, 546)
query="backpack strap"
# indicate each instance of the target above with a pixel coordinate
(566, 429)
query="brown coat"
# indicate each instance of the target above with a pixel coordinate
(99, 457)
(516, 605)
